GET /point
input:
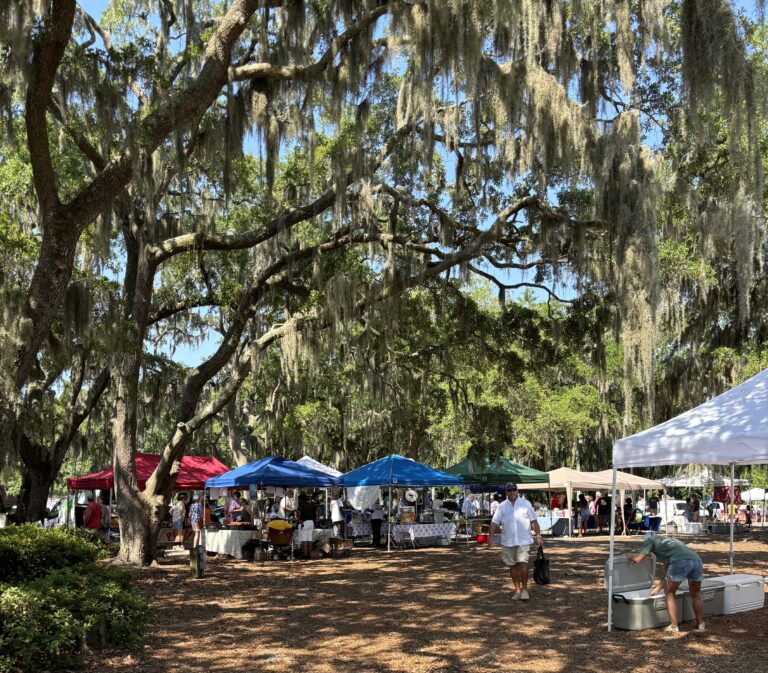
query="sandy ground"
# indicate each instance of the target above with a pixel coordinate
(444, 610)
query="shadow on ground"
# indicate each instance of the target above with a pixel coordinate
(434, 610)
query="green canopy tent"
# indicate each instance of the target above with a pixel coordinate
(499, 470)
(495, 472)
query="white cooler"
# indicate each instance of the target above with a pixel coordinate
(712, 596)
(742, 592)
(634, 608)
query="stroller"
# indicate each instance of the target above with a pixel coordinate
(280, 543)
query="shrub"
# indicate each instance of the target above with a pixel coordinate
(27, 552)
(46, 622)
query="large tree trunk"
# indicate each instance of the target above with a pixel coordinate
(233, 436)
(40, 471)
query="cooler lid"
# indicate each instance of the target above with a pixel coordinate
(628, 576)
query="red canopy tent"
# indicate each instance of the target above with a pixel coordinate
(192, 475)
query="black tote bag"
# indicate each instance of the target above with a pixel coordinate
(541, 568)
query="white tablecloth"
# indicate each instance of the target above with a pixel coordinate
(229, 541)
(403, 531)
(319, 536)
(358, 529)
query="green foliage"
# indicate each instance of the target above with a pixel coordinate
(46, 622)
(27, 552)
(55, 598)
(758, 476)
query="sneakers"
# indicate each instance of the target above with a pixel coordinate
(524, 595)
(672, 629)
(516, 596)
(701, 627)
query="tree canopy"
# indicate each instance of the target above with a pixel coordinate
(499, 226)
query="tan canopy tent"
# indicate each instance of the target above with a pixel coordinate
(569, 479)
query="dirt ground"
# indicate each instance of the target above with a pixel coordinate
(432, 610)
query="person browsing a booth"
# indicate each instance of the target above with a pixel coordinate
(516, 519)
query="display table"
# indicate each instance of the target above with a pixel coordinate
(229, 541)
(414, 531)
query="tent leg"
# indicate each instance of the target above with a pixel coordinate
(733, 517)
(569, 495)
(389, 520)
(549, 503)
(610, 552)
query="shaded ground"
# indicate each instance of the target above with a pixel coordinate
(426, 611)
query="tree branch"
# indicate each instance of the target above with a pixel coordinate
(269, 71)
(46, 58)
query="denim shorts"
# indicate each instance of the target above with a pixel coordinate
(685, 570)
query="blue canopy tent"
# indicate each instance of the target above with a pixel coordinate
(396, 471)
(273, 471)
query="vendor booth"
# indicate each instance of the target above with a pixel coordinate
(730, 429)
(192, 475)
(398, 471)
(565, 478)
(273, 471)
(193, 472)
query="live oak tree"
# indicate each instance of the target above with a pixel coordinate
(379, 96)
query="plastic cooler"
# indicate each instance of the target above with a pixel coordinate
(712, 595)
(742, 592)
(634, 609)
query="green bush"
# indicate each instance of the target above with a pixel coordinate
(46, 622)
(56, 599)
(27, 552)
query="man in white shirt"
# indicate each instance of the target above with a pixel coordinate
(516, 519)
(337, 516)
(287, 506)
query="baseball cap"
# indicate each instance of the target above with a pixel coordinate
(510, 486)
(649, 536)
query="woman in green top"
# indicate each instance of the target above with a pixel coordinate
(682, 564)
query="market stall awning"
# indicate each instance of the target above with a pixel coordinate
(729, 429)
(564, 478)
(496, 471)
(397, 470)
(274, 471)
(192, 474)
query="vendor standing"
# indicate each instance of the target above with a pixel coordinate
(682, 564)
(306, 525)
(235, 508)
(287, 507)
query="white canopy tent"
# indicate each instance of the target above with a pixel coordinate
(361, 497)
(753, 495)
(730, 429)
(569, 479)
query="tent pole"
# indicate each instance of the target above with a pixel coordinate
(389, 518)
(549, 502)
(569, 495)
(610, 553)
(733, 516)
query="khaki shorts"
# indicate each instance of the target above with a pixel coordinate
(513, 555)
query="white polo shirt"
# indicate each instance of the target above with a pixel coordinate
(515, 521)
